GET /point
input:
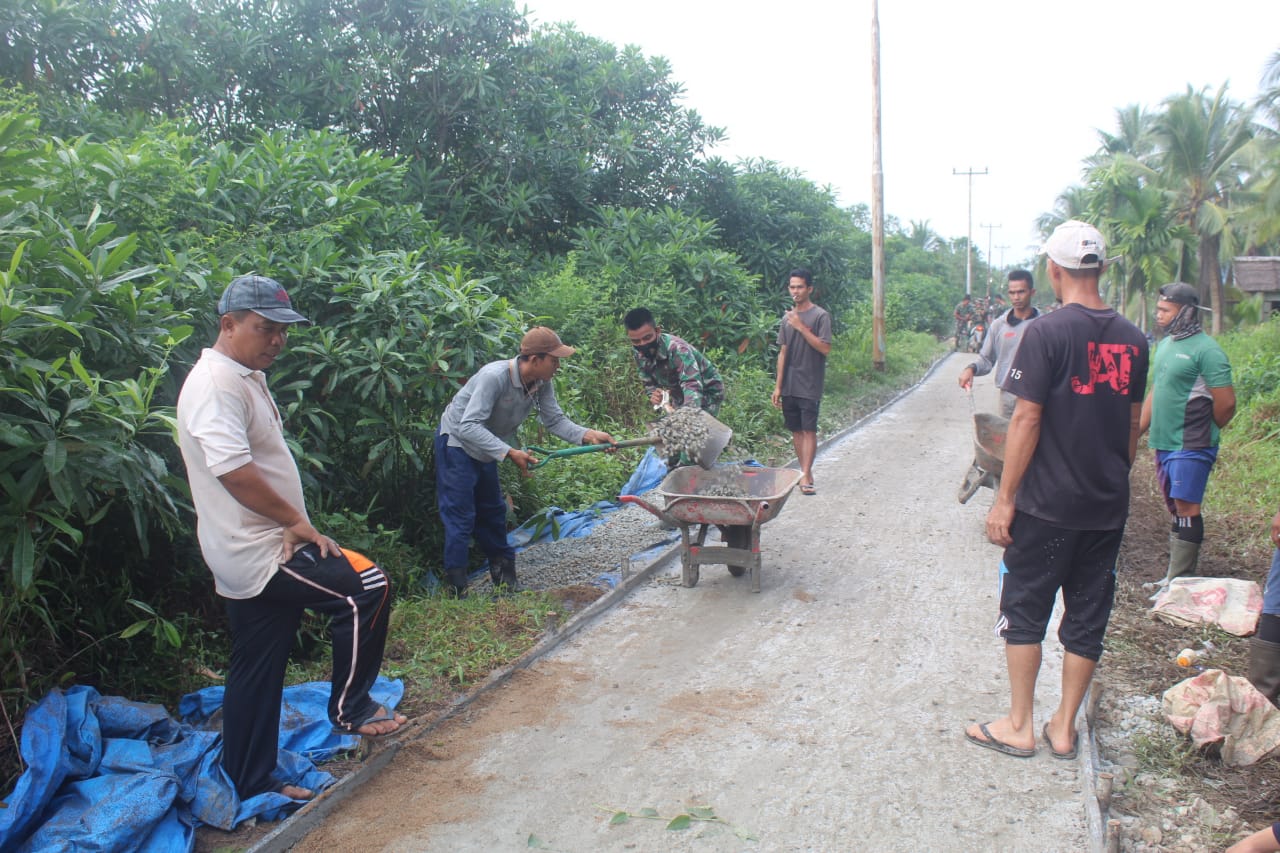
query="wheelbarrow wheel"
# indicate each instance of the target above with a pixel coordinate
(738, 536)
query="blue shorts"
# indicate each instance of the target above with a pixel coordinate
(1184, 474)
(1271, 592)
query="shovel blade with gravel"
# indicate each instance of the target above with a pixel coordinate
(693, 432)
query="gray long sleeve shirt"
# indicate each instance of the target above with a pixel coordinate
(483, 416)
(1000, 344)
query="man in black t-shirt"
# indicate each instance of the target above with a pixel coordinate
(1080, 376)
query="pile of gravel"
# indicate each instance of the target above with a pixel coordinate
(682, 432)
(725, 482)
(624, 533)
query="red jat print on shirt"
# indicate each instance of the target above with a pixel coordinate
(1110, 365)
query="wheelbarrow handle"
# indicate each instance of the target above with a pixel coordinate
(639, 501)
(548, 455)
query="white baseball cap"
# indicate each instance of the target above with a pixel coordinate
(1076, 245)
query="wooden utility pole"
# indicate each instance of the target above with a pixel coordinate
(877, 201)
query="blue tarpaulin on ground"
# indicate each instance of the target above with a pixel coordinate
(555, 523)
(105, 773)
(648, 474)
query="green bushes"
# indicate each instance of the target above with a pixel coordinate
(1251, 442)
(118, 232)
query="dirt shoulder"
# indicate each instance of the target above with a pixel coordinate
(1169, 796)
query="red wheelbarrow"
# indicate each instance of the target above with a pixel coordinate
(990, 433)
(738, 500)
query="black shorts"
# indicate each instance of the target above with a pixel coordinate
(1043, 559)
(800, 414)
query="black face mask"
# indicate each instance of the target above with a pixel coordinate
(649, 350)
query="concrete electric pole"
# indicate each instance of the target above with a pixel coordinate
(968, 239)
(990, 230)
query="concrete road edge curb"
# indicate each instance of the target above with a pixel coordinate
(302, 822)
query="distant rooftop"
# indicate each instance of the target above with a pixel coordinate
(1257, 274)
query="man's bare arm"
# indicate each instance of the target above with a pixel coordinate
(252, 491)
(1136, 411)
(777, 385)
(1020, 446)
(1144, 419)
(1224, 404)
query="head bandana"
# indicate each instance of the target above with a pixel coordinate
(1185, 323)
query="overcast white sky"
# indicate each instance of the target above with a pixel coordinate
(1018, 87)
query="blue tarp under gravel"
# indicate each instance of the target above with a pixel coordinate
(105, 773)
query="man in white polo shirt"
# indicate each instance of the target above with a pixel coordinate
(268, 562)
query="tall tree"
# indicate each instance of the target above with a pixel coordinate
(1201, 141)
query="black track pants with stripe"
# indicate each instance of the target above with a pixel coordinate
(356, 596)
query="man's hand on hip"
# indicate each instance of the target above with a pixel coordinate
(302, 533)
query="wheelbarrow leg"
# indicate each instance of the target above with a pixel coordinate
(755, 557)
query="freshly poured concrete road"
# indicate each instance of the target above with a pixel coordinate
(824, 714)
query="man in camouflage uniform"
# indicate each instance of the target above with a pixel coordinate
(668, 363)
(966, 312)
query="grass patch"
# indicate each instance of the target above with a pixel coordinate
(1245, 486)
(440, 646)
(1165, 753)
(456, 643)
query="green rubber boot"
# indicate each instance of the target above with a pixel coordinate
(1264, 668)
(1183, 558)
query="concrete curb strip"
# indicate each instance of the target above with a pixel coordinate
(297, 826)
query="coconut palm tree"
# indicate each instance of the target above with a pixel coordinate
(1132, 136)
(1201, 142)
(922, 236)
(1260, 220)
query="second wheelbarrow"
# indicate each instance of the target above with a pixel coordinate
(736, 499)
(990, 433)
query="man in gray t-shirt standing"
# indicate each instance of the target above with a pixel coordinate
(804, 340)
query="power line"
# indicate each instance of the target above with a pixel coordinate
(1002, 248)
(990, 230)
(968, 239)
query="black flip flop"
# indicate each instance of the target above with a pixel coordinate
(1069, 755)
(992, 742)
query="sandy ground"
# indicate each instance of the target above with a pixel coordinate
(825, 713)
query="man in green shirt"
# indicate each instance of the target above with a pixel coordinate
(1191, 399)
